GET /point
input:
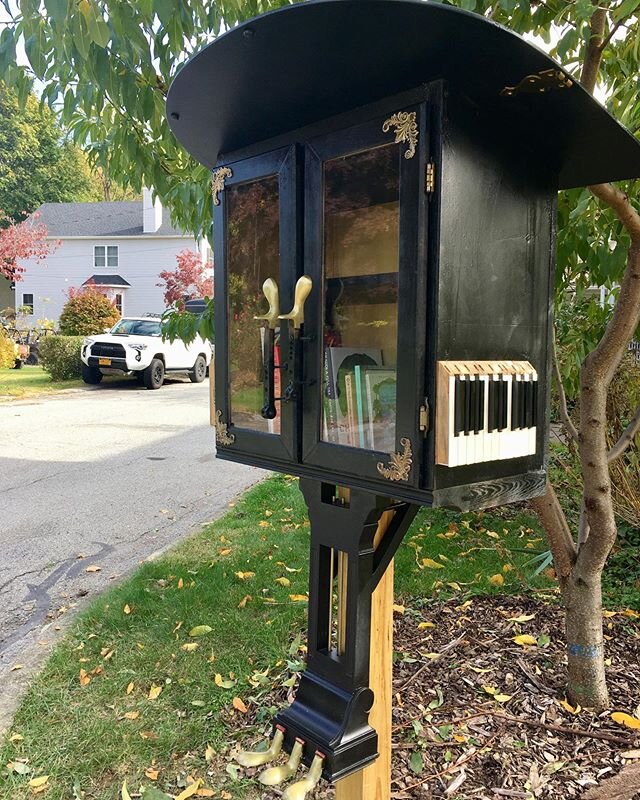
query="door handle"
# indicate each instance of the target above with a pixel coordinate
(270, 291)
(302, 291)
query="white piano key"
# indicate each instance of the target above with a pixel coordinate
(533, 430)
(453, 442)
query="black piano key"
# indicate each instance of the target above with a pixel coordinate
(515, 404)
(492, 421)
(473, 386)
(534, 405)
(505, 406)
(523, 394)
(526, 402)
(479, 416)
(467, 406)
(458, 421)
(502, 403)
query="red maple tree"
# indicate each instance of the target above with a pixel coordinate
(187, 281)
(19, 241)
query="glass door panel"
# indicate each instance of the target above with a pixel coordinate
(253, 254)
(255, 240)
(360, 332)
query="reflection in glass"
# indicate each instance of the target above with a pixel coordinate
(253, 255)
(361, 233)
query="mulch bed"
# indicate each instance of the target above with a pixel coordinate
(477, 715)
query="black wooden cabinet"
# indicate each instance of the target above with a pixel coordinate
(384, 209)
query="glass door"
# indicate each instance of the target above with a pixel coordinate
(255, 237)
(362, 209)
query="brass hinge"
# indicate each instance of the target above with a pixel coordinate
(424, 416)
(430, 178)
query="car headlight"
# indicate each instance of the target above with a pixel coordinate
(87, 341)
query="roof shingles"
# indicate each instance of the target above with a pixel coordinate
(108, 219)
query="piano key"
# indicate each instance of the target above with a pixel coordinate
(458, 394)
(478, 421)
(454, 419)
(467, 404)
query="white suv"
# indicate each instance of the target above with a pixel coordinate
(135, 345)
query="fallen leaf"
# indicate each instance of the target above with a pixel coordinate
(200, 630)
(525, 640)
(224, 552)
(264, 524)
(423, 625)
(180, 584)
(85, 679)
(209, 754)
(609, 614)
(496, 580)
(283, 581)
(151, 773)
(205, 793)
(190, 790)
(190, 646)
(631, 754)
(124, 793)
(298, 598)
(398, 609)
(243, 576)
(16, 667)
(222, 683)
(522, 618)
(148, 735)
(93, 568)
(16, 737)
(154, 692)
(568, 707)
(502, 698)
(239, 705)
(34, 783)
(626, 719)
(225, 795)
(429, 562)
(131, 715)
(244, 601)
(19, 767)
(130, 687)
(127, 609)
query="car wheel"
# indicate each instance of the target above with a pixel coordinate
(199, 371)
(154, 374)
(91, 375)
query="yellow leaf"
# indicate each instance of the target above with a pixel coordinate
(127, 609)
(479, 670)
(16, 667)
(442, 558)
(633, 614)
(200, 630)
(283, 581)
(244, 575)
(264, 524)
(93, 568)
(423, 625)
(34, 783)
(132, 715)
(492, 534)
(522, 618)
(502, 698)
(209, 754)
(398, 609)
(180, 583)
(244, 601)
(190, 790)
(239, 705)
(151, 773)
(124, 794)
(490, 690)
(190, 646)
(222, 683)
(455, 586)
(130, 687)
(496, 580)
(224, 552)
(85, 679)
(568, 707)
(298, 598)
(16, 737)
(205, 793)
(429, 562)
(154, 692)
(626, 719)
(609, 613)
(431, 656)
(525, 640)
(507, 567)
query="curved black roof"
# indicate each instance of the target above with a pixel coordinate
(308, 61)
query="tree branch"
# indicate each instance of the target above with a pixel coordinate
(562, 396)
(557, 530)
(630, 433)
(593, 50)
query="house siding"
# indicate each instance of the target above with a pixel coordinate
(141, 259)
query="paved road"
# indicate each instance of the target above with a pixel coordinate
(108, 476)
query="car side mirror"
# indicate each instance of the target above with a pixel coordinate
(107, 330)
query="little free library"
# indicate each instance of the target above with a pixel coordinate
(384, 179)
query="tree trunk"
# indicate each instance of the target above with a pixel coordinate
(585, 643)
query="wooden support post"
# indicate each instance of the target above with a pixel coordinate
(374, 782)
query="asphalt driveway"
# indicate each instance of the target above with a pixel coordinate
(100, 478)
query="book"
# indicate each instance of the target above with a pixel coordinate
(341, 362)
(380, 393)
(352, 422)
(364, 439)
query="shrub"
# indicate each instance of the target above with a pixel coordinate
(7, 352)
(87, 311)
(60, 356)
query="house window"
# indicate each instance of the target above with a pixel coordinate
(27, 304)
(105, 256)
(117, 301)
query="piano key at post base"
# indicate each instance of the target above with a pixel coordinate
(491, 411)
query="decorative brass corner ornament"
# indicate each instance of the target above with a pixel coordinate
(222, 435)
(539, 82)
(406, 128)
(399, 464)
(217, 182)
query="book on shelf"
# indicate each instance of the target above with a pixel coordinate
(379, 390)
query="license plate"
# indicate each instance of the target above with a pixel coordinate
(104, 362)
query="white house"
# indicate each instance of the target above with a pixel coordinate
(121, 246)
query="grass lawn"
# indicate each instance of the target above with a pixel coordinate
(139, 689)
(30, 381)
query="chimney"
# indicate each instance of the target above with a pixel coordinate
(151, 212)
